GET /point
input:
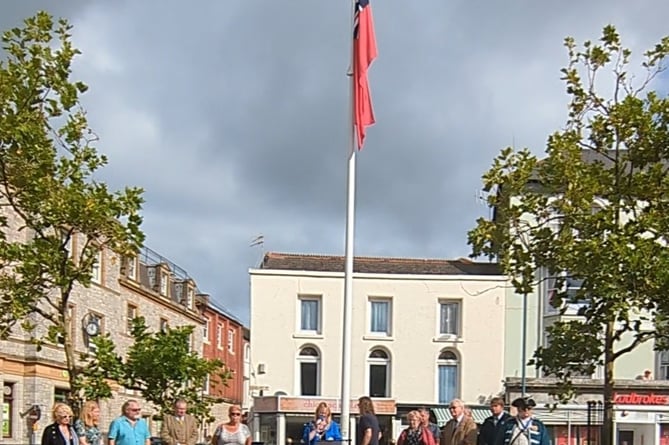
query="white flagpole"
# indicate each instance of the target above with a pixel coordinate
(348, 260)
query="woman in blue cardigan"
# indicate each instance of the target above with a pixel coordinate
(322, 427)
(524, 429)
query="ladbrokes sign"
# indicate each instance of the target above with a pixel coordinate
(633, 398)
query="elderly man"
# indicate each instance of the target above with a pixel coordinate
(130, 428)
(461, 429)
(179, 428)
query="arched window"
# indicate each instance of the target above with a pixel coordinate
(379, 373)
(448, 373)
(310, 371)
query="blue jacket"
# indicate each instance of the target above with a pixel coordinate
(537, 432)
(332, 433)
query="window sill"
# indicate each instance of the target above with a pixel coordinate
(313, 336)
(447, 339)
(372, 337)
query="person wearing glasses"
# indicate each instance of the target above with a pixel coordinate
(232, 432)
(322, 427)
(61, 431)
(461, 429)
(179, 428)
(129, 428)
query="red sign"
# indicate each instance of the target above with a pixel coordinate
(633, 398)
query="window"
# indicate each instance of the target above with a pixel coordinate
(132, 267)
(447, 370)
(205, 329)
(379, 373)
(60, 395)
(179, 293)
(7, 409)
(310, 315)
(164, 325)
(190, 298)
(96, 271)
(564, 292)
(131, 314)
(231, 341)
(449, 318)
(206, 385)
(309, 364)
(663, 365)
(219, 335)
(380, 314)
(164, 283)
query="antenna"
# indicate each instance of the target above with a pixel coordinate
(259, 241)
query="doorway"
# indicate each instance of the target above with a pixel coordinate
(625, 437)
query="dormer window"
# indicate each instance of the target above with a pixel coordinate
(179, 293)
(164, 284)
(190, 298)
(131, 264)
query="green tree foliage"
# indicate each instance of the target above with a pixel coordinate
(596, 209)
(161, 365)
(48, 191)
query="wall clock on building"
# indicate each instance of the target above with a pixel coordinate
(91, 325)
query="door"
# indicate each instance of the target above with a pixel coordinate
(625, 437)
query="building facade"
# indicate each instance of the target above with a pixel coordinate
(423, 332)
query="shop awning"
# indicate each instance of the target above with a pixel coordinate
(443, 415)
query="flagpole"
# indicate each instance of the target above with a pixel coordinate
(348, 258)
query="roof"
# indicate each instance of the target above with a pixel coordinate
(379, 265)
(222, 310)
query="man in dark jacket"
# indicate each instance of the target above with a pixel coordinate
(493, 426)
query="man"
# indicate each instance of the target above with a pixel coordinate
(524, 428)
(368, 431)
(461, 429)
(179, 428)
(130, 428)
(426, 424)
(493, 426)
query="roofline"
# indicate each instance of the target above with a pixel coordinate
(386, 276)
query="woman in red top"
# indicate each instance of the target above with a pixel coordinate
(415, 433)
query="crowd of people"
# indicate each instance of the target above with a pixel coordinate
(178, 428)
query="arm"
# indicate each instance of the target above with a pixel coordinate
(471, 435)
(192, 440)
(165, 436)
(367, 436)
(113, 432)
(334, 433)
(428, 437)
(247, 431)
(214, 437)
(147, 433)
(45, 435)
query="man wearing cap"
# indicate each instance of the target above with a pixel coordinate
(524, 429)
(461, 429)
(493, 426)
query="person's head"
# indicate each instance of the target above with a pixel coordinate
(61, 413)
(90, 413)
(415, 419)
(180, 408)
(235, 414)
(497, 406)
(365, 405)
(323, 411)
(456, 408)
(424, 416)
(524, 406)
(131, 409)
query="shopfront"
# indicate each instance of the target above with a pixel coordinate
(279, 420)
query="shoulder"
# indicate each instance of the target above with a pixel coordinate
(245, 429)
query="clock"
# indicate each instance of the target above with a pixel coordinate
(92, 328)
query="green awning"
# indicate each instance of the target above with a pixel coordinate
(443, 415)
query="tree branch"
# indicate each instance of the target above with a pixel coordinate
(640, 338)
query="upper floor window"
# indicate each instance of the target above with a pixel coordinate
(231, 341)
(310, 314)
(663, 365)
(96, 271)
(190, 296)
(131, 314)
(219, 336)
(205, 329)
(132, 268)
(449, 318)
(164, 284)
(380, 311)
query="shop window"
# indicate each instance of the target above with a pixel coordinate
(379, 373)
(7, 409)
(309, 365)
(60, 395)
(447, 369)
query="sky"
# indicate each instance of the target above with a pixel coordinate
(233, 117)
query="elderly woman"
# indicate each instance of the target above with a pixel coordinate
(87, 425)
(61, 431)
(232, 432)
(322, 427)
(416, 433)
(524, 429)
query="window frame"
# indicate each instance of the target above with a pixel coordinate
(378, 361)
(219, 335)
(319, 314)
(450, 362)
(128, 319)
(458, 322)
(205, 330)
(308, 359)
(8, 409)
(231, 340)
(371, 302)
(97, 267)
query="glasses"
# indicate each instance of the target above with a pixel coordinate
(64, 416)
(235, 414)
(452, 407)
(134, 410)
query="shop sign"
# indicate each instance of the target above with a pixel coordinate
(633, 398)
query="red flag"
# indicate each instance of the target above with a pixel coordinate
(364, 52)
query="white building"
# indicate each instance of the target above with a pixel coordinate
(423, 332)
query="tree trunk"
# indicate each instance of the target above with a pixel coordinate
(607, 423)
(70, 362)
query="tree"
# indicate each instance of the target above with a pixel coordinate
(594, 211)
(48, 194)
(161, 365)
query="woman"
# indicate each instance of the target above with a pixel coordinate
(60, 432)
(322, 427)
(233, 432)
(524, 429)
(415, 433)
(87, 426)
(368, 430)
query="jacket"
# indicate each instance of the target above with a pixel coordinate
(537, 433)
(463, 434)
(184, 432)
(489, 432)
(426, 437)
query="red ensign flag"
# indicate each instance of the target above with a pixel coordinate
(364, 52)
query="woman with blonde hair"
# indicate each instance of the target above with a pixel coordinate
(60, 432)
(322, 427)
(415, 433)
(232, 432)
(87, 425)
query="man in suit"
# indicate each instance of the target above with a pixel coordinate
(461, 429)
(492, 427)
(179, 428)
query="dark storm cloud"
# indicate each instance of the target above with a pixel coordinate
(232, 116)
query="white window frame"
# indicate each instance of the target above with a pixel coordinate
(458, 373)
(319, 316)
(132, 268)
(96, 269)
(205, 330)
(298, 369)
(458, 331)
(164, 284)
(190, 297)
(389, 328)
(128, 318)
(662, 365)
(219, 335)
(387, 362)
(207, 385)
(231, 340)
